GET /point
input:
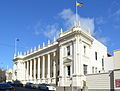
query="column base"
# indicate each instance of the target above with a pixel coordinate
(77, 81)
(53, 80)
(35, 81)
(74, 88)
(38, 80)
(43, 80)
(48, 80)
(61, 81)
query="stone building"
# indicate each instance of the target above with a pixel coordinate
(8, 74)
(65, 62)
(2, 75)
(112, 61)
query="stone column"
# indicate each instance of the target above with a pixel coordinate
(43, 68)
(54, 68)
(27, 70)
(38, 75)
(76, 78)
(34, 69)
(48, 74)
(24, 72)
(54, 65)
(61, 67)
(30, 69)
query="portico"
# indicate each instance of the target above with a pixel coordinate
(41, 69)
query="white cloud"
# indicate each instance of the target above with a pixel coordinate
(70, 17)
(116, 26)
(100, 20)
(52, 31)
(100, 38)
(115, 15)
(103, 40)
(37, 32)
(49, 31)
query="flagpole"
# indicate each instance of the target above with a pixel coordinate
(76, 12)
(15, 46)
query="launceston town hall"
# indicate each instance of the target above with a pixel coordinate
(64, 62)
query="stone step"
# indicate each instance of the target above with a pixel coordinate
(63, 89)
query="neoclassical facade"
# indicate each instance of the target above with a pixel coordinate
(65, 62)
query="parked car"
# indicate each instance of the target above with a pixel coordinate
(11, 83)
(30, 85)
(46, 87)
(6, 87)
(17, 83)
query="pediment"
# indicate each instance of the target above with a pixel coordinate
(67, 59)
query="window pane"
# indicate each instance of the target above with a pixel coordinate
(68, 68)
(96, 55)
(85, 69)
(68, 50)
(84, 50)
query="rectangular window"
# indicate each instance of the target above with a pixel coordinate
(68, 69)
(84, 50)
(96, 55)
(64, 51)
(68, 50)
(96, 70)
(93, 70)
(85, 69)
(102, 64)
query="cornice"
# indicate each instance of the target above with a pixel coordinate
(75, 31)
(42, 51)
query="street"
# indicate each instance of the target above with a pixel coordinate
(26, 89)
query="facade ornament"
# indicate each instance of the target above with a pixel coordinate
(31, 50)
(61, 30)
(28, 52)
(14, 54)
(48, 42)
(24, 53)
(89, 30)
(39, 46)
(34, 48)
(75, 23)
(79, 23)
(54, 39)
(43, 44)
(18, 53)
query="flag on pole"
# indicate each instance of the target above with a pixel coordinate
(17, 39)
(79, 4)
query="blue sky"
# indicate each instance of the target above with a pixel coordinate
(36, 21)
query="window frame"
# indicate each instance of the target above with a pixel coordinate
(85, 69)
(96, 55)
(68, 50)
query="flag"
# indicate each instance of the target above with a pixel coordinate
(79, 4)
(17, 39)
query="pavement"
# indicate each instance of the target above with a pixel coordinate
(25, 89)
